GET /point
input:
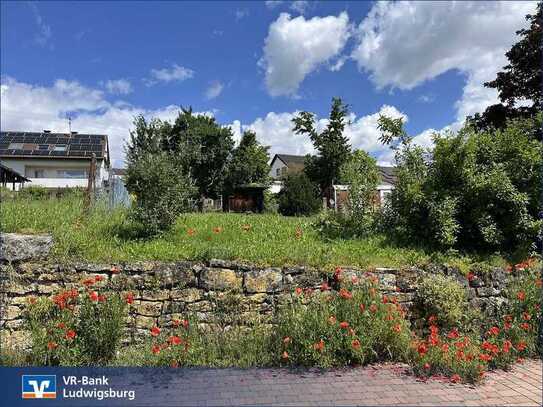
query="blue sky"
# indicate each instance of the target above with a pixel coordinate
(251, 64)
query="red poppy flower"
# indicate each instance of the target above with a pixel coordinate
(61, 325)
(185, 323)
(101, 298)
(521, 295)
(98, 278)
(485, 357)
(325, 286)
(356, 344)
(319, 346)
(459, 354)
(493, 331)
(445, 348)
(129, 298)
(93, 295)
(155, 331)
(174, 364)
(526, 316)
(70, 334)
(362, 307)
(332, 320)
(471, 276)
(155, 349)
(453, 334)
(115, 270)
(298, 290)
(337, 274)
(89, 282)
(432, 319)
(352, 332)
(191, 232)
(51, 345)
(175, 340)
(397, 328)
(354, 279)
(285, 355)
(286, 340)
(520, 346)
(385, 299)
(426, 366)
(389, 317)
(343, 293)
(508, 318)
(507, 346)
(422, 349)
(525, 326)
(455, 378)
(176, 323)
(434, 329)
(344, 325)
(373, 308)
(308, 291)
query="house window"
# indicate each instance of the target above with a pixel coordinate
(60, 147)
(43, 147)
(15, 146)
(278, 171)
(72, 173)
(37, 173)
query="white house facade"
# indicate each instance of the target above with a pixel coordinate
(56, 160)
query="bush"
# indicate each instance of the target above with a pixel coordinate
(162, 191)
(299, 196)
(75, 327)
(443, 298)
(34, 192)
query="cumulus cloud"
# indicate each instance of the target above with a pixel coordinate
(214, 89)
(403, 44)
(118, 86)
(176, 73)
(300, 6)
(27, 107)
(295, 47)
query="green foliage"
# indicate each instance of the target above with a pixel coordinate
(34, 192)
(478, 191)
(75, 327)
(162, 192)
(442, 297)
(299, 196)
(332, 146)
(248, 164)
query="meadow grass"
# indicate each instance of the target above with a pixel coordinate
(265, 239)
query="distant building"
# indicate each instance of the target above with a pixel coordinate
(283, 164)
(56, 160)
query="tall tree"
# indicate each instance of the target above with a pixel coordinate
(249, 163)
(520, 81)
(332, 146)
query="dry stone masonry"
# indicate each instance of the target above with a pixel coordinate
(168, 290)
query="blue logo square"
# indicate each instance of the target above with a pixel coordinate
(39, 387)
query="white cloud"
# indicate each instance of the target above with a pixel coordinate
(118, 86)
(44, 34)
(240, 14)
(27, 107)
(426, 98)
(271, 4)
(403, 44)
(174, 74)
(300, 6)
(295, 47)
(214, 89)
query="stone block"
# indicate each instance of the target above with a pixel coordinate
(264, 281)
(220, 279)
(15, 247)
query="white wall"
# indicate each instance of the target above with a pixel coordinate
(277, 164)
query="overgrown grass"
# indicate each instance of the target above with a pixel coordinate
(270, 239)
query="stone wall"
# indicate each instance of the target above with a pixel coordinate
(167, 290)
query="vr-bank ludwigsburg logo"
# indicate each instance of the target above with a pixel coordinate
(39, 387)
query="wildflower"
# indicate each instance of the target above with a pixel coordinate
(217, 230)
(426, 366)
(155, 331)
(538, 283)
(471, 276)
(298, 290)
(455, 378)
(356, 344)
(337, 274)
(61, 325)
(520, 346)
(286, 340)
(343, 325)
(285, 355)
(485, 357)
(453, 334)
(89, 282)
(298, 233)
(129, 298)
(459, 354)
(98, 278)
(521, 295)
(332, 320)
(308, 292)
(508, 318)
(325, 286)
(434, 330)
(525, 326)
(493, 331)
(352, 332)
(373, 308)
(319, 346)
(389, 317)
(526, 316)
(101, 298)
(507, 346)
(174, 364)
(385, 299)
(422, 349)
(397, 328)
(51, 345)
(70, 334)
(115, 270)
(93, 295)
(176, 323)
(246, 227)
(185, 323)
(362, 307)
(191, 232)
(155, 349)
(509, 268)
(432, 319)
(507, 326)
(175, 340)
(343, 293)
(354, 279)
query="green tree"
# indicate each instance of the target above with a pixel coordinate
(299, 196)
(332, 146)
(248, 164)
(520, 80)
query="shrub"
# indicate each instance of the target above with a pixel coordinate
(75, 327)
(34, 192)
(336, 328)
(162, 191)
(441, 297)
(299, 196)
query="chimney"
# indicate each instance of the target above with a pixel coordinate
(47, 131)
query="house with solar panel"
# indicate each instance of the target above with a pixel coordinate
(56, 160)
(336, 197)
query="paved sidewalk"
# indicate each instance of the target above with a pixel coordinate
(372, 385)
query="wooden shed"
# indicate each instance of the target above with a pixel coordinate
(246, 198)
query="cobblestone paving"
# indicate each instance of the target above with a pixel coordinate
(382, 385)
